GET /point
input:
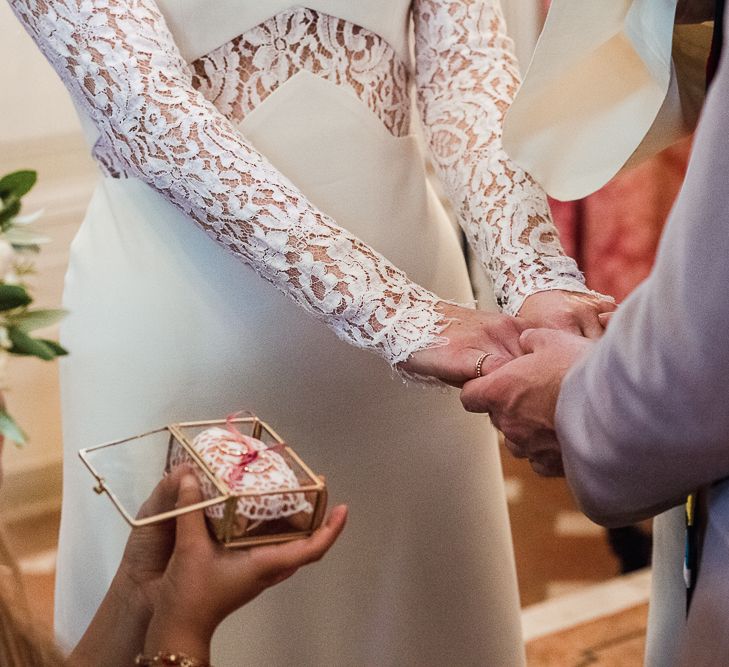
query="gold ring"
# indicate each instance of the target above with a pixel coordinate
(480, 361)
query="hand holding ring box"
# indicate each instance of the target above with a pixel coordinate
(256, 489)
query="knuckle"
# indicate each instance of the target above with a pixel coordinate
(526, 335)
(508, 324)
(473, 402)
(496, 323)
(475, 407)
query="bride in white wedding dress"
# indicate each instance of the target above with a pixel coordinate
(258, 167)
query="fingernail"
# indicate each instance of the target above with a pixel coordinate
(188, 482)
(338, 510)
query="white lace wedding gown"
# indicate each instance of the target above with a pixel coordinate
(200, 260)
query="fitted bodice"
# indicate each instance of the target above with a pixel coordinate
(165, 88)
(242, 52)
(201, 26)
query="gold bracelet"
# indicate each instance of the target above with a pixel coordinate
(173, 659)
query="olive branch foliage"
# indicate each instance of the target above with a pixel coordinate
(18, 319)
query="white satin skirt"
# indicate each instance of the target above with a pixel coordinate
(166, 326)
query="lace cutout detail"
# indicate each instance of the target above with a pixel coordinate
(120, 62)
(239, 75)
(222, 454)
(466, 78)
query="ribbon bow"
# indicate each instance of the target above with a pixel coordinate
(248, 456)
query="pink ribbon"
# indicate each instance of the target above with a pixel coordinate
(247, 457)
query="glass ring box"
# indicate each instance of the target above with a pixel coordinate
(255, 488)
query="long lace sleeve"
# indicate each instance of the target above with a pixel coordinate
(120, 63)
(466, 77)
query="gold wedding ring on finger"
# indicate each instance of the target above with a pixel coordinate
(479, 363)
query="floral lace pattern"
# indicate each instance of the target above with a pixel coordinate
(466, 78)
(120, 62)
(222, 453)
(239, 75)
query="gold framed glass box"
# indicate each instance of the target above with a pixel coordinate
(255, 488)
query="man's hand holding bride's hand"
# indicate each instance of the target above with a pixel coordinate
(521, 397)
(581, 314)
(470, 334)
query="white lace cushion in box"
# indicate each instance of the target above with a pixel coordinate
(245, 465)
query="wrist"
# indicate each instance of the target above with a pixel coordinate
(414, 327)
(433, 343)
(171, 631)
(450, 310)
(130, 594)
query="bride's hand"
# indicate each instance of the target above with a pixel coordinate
(470, 334)
(573, 312)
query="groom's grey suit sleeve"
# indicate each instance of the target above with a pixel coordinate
(645, 419)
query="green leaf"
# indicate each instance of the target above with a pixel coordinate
(30, 320)
(23, 344)
(10, 429)
(24, 237)
(58, 349)
(9, 210)
(18, 183)
(13, 296)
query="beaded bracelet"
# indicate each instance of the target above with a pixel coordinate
(173, 659)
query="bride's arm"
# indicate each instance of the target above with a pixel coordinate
(120, 62)
(466, 78)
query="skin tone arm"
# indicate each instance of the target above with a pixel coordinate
(466, 77)
(175, 584)
(120, 62)
(468, 336)
(116, 633)
(191, 606)
(472, 332)
(119, 627)
(574, 312)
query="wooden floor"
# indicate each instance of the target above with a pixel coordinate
(557, 548)
(612, 641)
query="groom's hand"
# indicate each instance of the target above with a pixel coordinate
(521, 396)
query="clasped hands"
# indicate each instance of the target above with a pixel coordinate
(528, 357)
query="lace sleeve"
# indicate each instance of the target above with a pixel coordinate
(120, 63)
(466, 77)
